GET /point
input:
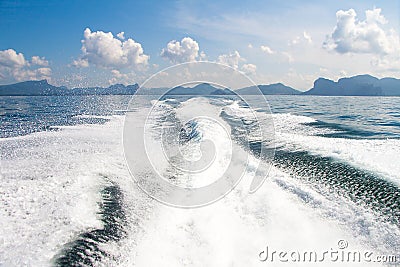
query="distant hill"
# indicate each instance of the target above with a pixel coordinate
(390, 86)
(361, 85)
(43, 88)
(200, 89)
(30, 88)
(271, 89)
(207, 89)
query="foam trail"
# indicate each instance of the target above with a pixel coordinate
(286, 213)
(232, 232)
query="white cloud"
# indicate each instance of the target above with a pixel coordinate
(80, 63)
(118, 77)
(267, 50)
(40, 61)
(23, 74)
(249, 69)
(232, 59)
(187, 50)
(103, 50)
(307, 37)
(11, 59)
(14, 67)
(250, 46)
(303, 39)
(387, 64)
(352, 35)
(203, 56)
(121, 35)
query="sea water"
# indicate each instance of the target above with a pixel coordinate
(67, 196)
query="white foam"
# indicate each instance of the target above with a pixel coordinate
(212, 128)
(50, 188)
(233, 231)
(290, 123)
(379, 155)
(234, 109)
(284, 214)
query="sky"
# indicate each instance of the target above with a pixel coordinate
(98, 43)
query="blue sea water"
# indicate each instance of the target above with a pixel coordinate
(356, 117)
(21, 115)
(353, 117)
(67, 196)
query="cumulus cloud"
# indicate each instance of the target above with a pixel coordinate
(352, 35)
(186, 50)
(14, 67)
(40, 61)
(121, 35)
(31, 74)
(101, 49)
(267, 50)
(231, 59)
(249, 69)
(11, 59)
(80, 63)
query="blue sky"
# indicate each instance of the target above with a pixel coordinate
(271, 41)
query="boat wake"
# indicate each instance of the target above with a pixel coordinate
(67, 197)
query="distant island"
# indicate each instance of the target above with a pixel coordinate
(207, 89)
(361, 85)
(43, 88)
(271, 89)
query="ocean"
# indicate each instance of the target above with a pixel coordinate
(67, 196)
